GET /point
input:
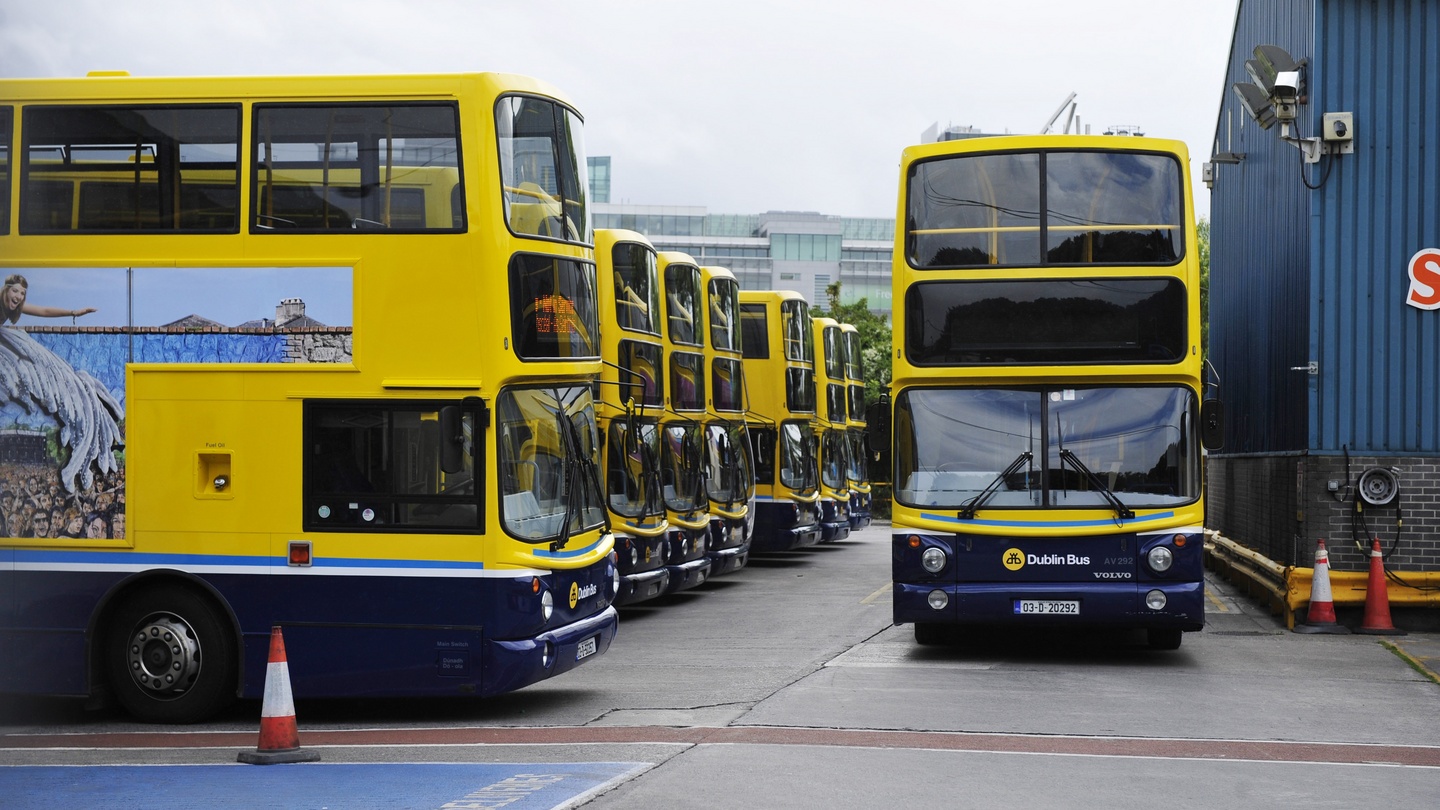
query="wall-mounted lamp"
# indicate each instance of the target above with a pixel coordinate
(1207, 170)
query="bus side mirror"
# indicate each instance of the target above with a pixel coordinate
(452, 440)
(1212, 424)
(877, 420)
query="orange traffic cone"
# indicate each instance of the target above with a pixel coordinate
(1320, 618)
(279, 738)
(1377, 599)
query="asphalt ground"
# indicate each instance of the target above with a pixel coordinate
(787, 687)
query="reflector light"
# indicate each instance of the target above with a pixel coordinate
(914, 541)
(299, 553)
(1180, 540)
(534, 584)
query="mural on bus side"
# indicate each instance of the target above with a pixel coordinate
(66, 335)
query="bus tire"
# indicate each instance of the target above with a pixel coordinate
(1167, 638)
(928, 634)
(169, 657)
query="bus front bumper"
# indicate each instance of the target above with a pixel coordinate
(1098, 605)
(510, 665)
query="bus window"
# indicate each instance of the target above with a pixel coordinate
(328, 167)
(637, 299)
(553, 308)
(542, 167)
(379, 467)
(7, 126)
(131, 168)
(754, 332)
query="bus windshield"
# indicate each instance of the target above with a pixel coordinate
(797, 460)
(682, 467)
(1029, 209)
(1085, 446)
(633, 469)
(728, 462)
(547, 460)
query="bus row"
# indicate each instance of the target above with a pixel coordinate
(337, 355)
(712, 447)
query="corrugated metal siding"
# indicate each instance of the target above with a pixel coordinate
(1259, 259)
(1379, 383)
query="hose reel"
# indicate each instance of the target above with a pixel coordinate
(1377, 486)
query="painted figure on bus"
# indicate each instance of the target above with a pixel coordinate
(39, 382)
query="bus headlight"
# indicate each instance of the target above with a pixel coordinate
(1155, 600)
(1160, 559)
(933, 560)
(547, 606)
(634, 556)
(938, 599)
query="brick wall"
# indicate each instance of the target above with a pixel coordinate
(1280, 505)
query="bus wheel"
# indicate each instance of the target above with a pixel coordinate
(168, 656)
(929, 635)
(1163, 639)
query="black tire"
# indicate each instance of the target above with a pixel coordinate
(1163, 639)
(177, 643)
(931, 635)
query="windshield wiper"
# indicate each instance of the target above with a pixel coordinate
(967, 512)
(1120, 508)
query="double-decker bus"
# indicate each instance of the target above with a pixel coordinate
(682, 437)
(832, 432)
(1047, 387)
(729, 475)
(631, 399)
(779, 351)
(308, 352)
(857, 472)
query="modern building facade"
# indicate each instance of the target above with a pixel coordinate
(1325, 282)
(802, 251)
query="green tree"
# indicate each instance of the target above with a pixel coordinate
(874, 334)
(1202, 233)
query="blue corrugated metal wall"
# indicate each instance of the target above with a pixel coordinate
(1259, 260)
(1378, 391)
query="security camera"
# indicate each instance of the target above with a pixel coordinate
(1287, 84)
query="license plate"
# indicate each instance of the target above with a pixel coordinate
(1046, 607)
(587, 647)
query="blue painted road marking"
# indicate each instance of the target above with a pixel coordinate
(432, 786)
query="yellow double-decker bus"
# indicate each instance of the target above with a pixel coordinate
(832, 431)
(779, 351)
(683, 426)
(857, 471)
(1047, 399)
(307, 352)
(729, 474)
(632, 397)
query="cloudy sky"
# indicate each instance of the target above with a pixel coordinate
(741, 106)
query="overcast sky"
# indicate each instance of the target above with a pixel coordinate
(741, 106)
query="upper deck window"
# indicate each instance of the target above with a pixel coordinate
(724, 314)
(754, 332)
(7, 121)
(637, 288)
(343, 167)
(543, 169)
(683, 304)
(799, 336)
(130, 168)
(1029, 209)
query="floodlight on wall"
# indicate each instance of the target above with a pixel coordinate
(1275, 92)
(1256, 103)
(1259, 76)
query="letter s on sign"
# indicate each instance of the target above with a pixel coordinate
(1424, 279)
